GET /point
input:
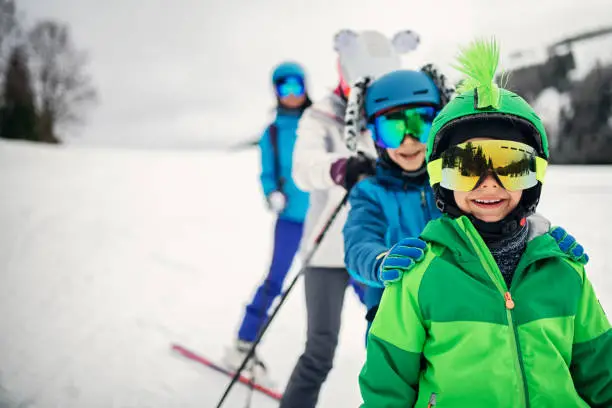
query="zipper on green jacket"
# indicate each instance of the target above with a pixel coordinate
(490, 266)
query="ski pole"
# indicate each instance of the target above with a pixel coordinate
(283, 297)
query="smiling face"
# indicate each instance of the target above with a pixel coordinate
(489, 201)
(410, 155)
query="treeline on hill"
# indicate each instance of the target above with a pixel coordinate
(583, 134)
(42, 80)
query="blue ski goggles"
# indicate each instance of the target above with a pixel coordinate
(290, 86)
(390, 129)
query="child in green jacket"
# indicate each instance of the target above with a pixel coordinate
(495, 315)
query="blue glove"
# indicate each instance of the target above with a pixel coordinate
(400, 259)
(568, 244)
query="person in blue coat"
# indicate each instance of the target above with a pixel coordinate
(397, 202)
(284, 198)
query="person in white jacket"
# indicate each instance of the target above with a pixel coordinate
(324, 166)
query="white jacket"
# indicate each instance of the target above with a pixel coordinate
(320, 142)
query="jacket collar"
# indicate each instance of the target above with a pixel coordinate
(394, 177)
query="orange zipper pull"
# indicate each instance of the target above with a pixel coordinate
(509, 301)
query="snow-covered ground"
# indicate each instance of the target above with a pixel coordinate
(108, 256)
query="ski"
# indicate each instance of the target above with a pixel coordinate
(244, 380)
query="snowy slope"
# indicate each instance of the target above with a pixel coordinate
(108, 256)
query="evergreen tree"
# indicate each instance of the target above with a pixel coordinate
(19, 119)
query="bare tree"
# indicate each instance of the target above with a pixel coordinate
(63, 88)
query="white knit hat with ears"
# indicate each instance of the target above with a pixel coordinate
(371, 53)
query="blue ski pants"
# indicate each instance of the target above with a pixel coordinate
(287, 236)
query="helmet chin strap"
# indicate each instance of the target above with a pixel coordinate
(492, 230)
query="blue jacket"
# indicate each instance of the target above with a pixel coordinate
(384, 209)
(297, 200)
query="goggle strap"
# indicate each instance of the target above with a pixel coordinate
(541, 166)
(434, 169)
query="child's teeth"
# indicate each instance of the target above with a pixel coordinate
(488, 201)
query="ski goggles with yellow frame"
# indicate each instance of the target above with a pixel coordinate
(462, 167)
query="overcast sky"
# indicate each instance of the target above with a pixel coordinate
(190, 72)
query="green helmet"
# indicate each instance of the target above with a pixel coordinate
(479, 103)
(479, 96)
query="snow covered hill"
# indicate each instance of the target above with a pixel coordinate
(108, 256)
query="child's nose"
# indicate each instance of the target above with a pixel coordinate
(409, 140)
(489, 182)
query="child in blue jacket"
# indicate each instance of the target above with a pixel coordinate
(284, 198)
(398, 201)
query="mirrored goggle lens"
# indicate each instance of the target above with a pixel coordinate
(390, 129)
(465, 164)
(290, 86)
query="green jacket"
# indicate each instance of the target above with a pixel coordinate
(451, 335)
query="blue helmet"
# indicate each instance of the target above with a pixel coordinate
(398, 88)
(287, 69)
